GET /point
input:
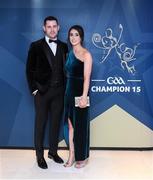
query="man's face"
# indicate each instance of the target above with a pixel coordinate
(51, 29)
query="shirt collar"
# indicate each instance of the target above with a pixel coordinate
(47, 39)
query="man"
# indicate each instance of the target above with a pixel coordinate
(45, 75)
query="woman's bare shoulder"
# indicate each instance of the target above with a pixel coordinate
(87, 55)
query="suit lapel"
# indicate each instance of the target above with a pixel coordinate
(47, 51)
(60, 49)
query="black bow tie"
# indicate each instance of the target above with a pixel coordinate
(50, 41)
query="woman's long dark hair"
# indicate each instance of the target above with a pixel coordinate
(80, 31)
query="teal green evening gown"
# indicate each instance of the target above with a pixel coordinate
(79, 116)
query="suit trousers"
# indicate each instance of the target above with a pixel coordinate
(48, 106)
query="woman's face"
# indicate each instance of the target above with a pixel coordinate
(74, 37)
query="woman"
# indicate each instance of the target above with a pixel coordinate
(78, 69)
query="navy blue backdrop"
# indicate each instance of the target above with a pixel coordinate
(131, 21)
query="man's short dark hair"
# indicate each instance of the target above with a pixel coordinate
(50, 18)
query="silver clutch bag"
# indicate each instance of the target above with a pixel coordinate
(77, 99)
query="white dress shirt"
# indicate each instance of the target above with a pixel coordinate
(52, 45)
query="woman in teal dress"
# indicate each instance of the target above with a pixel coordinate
(78, 69)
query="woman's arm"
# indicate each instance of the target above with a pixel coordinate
(87, 74)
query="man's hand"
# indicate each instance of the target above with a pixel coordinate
(35, 92)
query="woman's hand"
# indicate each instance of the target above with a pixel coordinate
(83, 102)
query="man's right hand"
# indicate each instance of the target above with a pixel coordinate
(35, 92)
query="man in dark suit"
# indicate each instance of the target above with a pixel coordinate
(46, 80)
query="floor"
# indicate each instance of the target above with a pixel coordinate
(104, 165)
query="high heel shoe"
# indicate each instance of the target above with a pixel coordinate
(69, 163)
(81, 164)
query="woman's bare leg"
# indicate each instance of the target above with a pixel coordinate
(71, 145)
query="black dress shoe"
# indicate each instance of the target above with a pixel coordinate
(56, 158)
(42, 163)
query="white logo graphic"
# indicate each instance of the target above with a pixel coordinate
(109, 42)
(115, 80)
